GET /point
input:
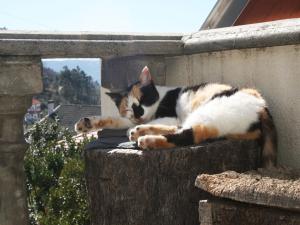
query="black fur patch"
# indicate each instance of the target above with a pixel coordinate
(268, 112)
(87, 123)
(226, 93)
(194, 88)
(149, 95)
(137, 110)
(167, 105)
(183, 138)
(269, 133)
(254, 126)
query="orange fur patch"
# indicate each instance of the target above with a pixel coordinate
(123, 106)
(161, 129)
(104, 123)
(136, 92)
(246, 136)
(252, 92)
(202, 133)
(197, 101)
(158, 142)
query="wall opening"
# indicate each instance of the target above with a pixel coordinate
(71, 90)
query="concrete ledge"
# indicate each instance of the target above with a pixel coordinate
(87, 44)
(18, 34)
(226, 212)
(276, 188)
(88, 48)
(283, 32)
(128, 186)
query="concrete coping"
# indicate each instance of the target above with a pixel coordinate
(97, 44)
(86, 35)
(259, 35)
(87, 44)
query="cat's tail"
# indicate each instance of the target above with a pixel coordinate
(268, 139)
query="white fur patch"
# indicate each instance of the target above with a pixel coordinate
(171, 121)
(230, 115)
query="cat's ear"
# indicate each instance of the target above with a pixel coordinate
(145, 77)
(116, 97)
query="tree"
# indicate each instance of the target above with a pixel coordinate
(69, 86)
(55, 176)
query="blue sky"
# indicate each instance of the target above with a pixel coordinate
(105, 15)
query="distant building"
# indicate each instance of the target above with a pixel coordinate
(228, 13)
(69, 114)
(34, 112)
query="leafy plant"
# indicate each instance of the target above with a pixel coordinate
(55, 176)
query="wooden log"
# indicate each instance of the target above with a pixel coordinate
(227, 212)
(278, 188)
(128, 186)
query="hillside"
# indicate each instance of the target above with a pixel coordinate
(90, 66)
(69, 86)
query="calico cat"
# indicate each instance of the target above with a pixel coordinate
(165, 117)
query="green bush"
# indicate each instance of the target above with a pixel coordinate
(55, 176)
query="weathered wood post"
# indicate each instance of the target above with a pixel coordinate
(20, 78)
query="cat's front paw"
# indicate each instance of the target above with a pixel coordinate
(83, 125)
(139, 131)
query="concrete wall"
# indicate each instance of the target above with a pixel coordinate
(275, 71)
(108, 107)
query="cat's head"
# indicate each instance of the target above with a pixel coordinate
(138, 102)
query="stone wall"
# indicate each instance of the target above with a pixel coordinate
(20, 79)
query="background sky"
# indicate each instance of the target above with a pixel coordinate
(176, 16)
(105, 15)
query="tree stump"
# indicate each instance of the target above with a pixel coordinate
(129, 186)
